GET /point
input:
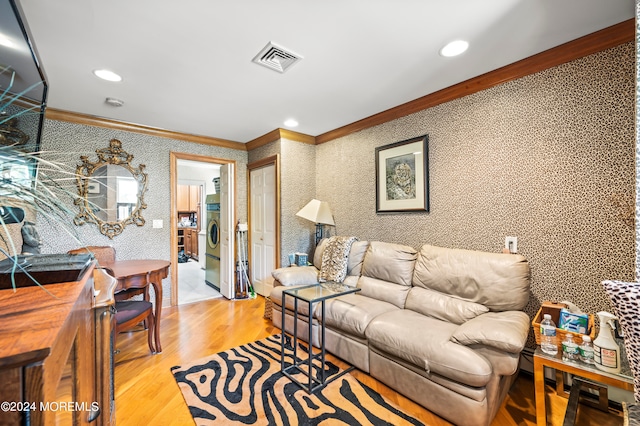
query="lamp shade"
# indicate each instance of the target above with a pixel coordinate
(317, 212)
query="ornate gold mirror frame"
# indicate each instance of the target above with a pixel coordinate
(98, 202)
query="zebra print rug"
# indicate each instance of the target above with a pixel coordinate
(244, 386)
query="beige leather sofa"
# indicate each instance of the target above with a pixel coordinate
(442, 326)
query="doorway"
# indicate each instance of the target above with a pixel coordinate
(195, 181)
(193, 184)
(264, 222)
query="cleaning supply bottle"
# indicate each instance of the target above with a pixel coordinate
(606, 352)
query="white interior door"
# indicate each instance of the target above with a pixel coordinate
(263, 228)
(227, 248)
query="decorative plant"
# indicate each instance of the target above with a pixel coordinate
(43, 198)
(27, 180)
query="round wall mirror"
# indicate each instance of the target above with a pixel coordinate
(111, 191)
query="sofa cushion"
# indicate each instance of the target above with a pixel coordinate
(496, 280)
(351, 281)
(352, 313)
(442, 306)
(296, 275)
(395, 333)
(384, 291)
(506, 331)
(386, 272)
(303, 307)
(319, 251)
(389, 262)
(356, 257)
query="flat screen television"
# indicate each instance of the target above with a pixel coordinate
(23, 95)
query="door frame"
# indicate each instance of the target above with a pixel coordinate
(174, 157)
(275, 161)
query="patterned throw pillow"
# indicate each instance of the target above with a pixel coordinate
(626, 301)
(631, 414)
(31, 238)
(335, 258)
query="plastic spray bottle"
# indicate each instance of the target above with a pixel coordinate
(606, 352)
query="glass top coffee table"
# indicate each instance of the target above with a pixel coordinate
(311, 294)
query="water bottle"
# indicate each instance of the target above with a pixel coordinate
(586, 350)
(570, 350)
(548, 336)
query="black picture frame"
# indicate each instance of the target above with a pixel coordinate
(402, 176)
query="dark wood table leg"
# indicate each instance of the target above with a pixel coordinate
(157, 288)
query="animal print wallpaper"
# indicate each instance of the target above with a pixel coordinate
(637, 203)
(65, 142)
(548, 158)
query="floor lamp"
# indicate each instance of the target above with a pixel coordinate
(319, 213)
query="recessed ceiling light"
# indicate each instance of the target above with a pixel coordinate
(454, 48)
(107, 75)
(291, 123)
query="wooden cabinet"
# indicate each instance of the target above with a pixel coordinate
(191, 242)
(189, 198)
(194, 244)
(194, 198)
(183, 198)
(187, 242)
(181, 238)
(48, 357)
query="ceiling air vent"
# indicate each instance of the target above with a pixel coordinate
(276, 57)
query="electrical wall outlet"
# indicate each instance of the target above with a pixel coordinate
(157, 223)
(511, 243)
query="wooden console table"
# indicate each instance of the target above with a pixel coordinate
(134, 277)
(49, 372)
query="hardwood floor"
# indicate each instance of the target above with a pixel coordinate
(147, 394)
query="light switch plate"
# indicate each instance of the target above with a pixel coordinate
(157, 223)
(511, 243)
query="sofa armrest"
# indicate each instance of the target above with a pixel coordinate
(505, 331)
(295, 275)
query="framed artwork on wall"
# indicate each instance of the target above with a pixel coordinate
(402, 176)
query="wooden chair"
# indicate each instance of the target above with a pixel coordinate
(106, 255)
(129, 313)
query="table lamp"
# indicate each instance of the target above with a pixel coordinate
(319, 213)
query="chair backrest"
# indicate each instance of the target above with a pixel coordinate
(103, 254)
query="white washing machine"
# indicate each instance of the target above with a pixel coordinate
(212, 252)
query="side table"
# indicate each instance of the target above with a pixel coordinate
(624, 380)
(311, 294)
